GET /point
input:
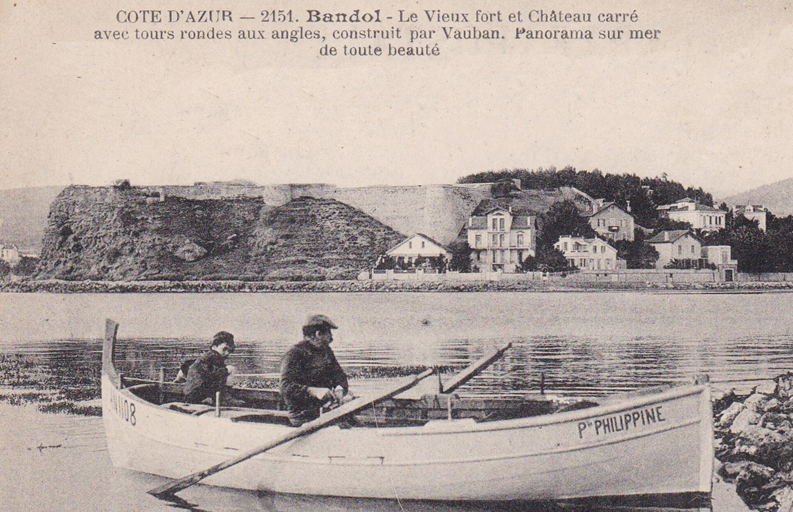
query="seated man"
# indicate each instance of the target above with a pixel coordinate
(208, 374)
(310, 374)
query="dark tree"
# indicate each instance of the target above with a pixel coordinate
(637, 253)
(386, 263)
(562, 219)
(26, 266)
(666, 224)
(503, 188)
(461, 256)
(548, 259)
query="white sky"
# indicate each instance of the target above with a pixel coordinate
(709, 103)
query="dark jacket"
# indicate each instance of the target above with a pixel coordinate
(304, 366)
(206, 376)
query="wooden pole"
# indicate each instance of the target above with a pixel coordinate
(473, 370)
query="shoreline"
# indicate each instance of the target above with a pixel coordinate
(354, 286)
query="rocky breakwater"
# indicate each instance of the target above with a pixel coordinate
(754, 442)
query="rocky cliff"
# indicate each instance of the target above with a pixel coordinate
(117, 233)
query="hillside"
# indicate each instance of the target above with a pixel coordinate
(23, 216)
(777, 197)
(111, 234)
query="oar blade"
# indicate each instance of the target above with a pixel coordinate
(475, 368)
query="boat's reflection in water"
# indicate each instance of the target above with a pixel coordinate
(201, 501)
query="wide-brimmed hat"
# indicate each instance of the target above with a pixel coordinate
(320, 321)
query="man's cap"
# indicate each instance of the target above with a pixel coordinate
(223, 337)
(320, 321)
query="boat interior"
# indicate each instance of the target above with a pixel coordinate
(265, 406)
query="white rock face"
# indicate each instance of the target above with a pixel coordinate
(728, 415)
(744, 420)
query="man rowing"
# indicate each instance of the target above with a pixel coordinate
(310, 374)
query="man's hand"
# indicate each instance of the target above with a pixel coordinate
(321, 394)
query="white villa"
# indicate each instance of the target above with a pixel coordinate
(680, 244)
(500, 239)
(10, 254)
(612, 222)
(700, 216)
(589, 253)
(756, 212)
(417, 246)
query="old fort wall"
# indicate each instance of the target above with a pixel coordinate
(439, 211)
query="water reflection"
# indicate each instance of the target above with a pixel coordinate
(205, 498)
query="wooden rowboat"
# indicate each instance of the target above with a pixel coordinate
(652, 443)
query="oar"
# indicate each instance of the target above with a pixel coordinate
(470, 372)
(323, 421)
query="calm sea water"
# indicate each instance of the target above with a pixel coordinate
(582, 343)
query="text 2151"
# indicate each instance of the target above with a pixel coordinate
(277, 16)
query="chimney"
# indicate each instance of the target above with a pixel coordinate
(628, 206)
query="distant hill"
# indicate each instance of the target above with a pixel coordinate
(777, 197)
(23, 215)
(103, 233)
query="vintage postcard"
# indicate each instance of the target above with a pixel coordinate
(550, 243)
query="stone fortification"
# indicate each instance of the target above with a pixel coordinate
(439, 211)
(124, 233)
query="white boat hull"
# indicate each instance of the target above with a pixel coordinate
(649, 445)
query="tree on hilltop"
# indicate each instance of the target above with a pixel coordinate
(642, 194)
(562, 219)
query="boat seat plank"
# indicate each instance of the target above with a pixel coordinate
(185, 407)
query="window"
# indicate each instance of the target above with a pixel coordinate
(422, 245)
(501, 240)
(520, 239)
(495, 224)
(410, 245)
(495, 240)
(594, 249)
(692, 249)
(679, 249)
(478, 241)
(565, 246)
(501, 224)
